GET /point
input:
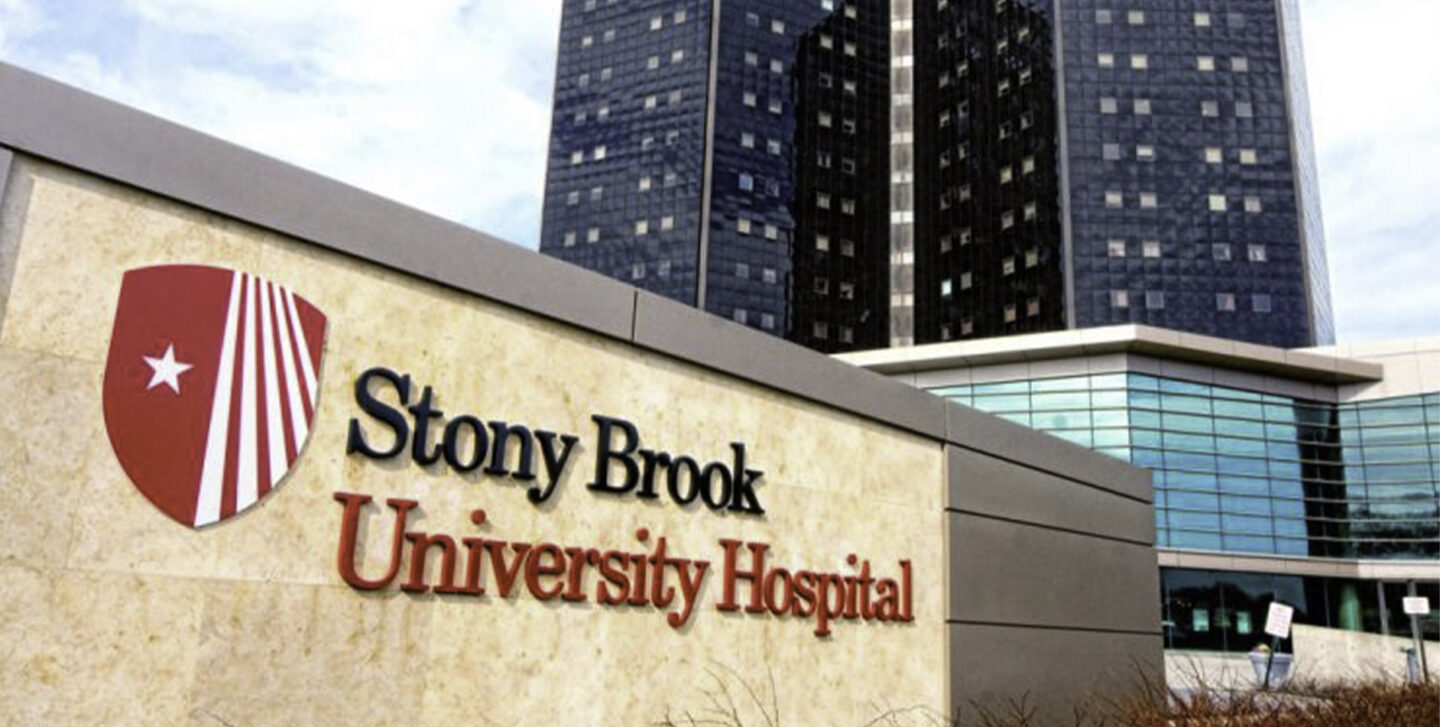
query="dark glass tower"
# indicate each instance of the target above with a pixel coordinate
(867, 173)
(733, 160)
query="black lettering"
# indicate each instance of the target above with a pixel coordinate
(390, 416)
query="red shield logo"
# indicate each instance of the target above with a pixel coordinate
(210, 387)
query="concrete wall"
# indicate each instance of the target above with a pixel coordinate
(1026, 551)
(1328, 655)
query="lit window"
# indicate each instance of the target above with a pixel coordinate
(657, 22)
(1007, 220)
(1136, 17)
(1119, 299)
(637, 271)
(1155, 299)
(674, 97)
(1240, 64)
(1142, 107)
(1210, 108)
(606, 74)
(652, 62)
(587, 41)
(1115, 248)
(967, 281)
(850, 87)
(772, 232)
(651, 102)
(1010, 312)
(825, 119)
(1110, 152)
(671, 179)
(742, 226)
(1225, 302)
(773, 146)
(1220, 251)
(596, 193)
(570, 238)
(609, 35)
(749, 99)
(1139, 61)
(776, 66)
(679, 16)
(767, 321)
(1260, 303)
(1007, 266)
(822, 159)
(1032, 258)
(580, 116)
(1248, 156)
(1109, 105)
(1114, 200)
(646, 143)
(822, 243)
(667, 223)
(1148, 201)
(747, 182)
(851, 49)
(1257, 254)
(769, 275)
(677, 56)
(752, 58)
(1205, 63)
(663, 268)
(1006, 175)
(747, 140)
(777, 26)
(741, 316)
(1202, 20)
(592, 235)
(822, 200)
(1252, 204)
(1244, 109)
(821, 330)
(742, 270)
(577, 157)
(947, 288)
(1213, 155)
(776, 106)
(1031, 211)
(603, 113)
(642, 227)
(600, 153)
(1217, 203)
(847, 291)
(847, 206)
(1104, 17)
(1032, 307)
(1145, 153)
(1105, 60)
(572, 198)
(1150, 249)
(1027, 165)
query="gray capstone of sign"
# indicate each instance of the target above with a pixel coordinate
(1053, 578)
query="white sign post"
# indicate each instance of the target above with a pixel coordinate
(1415, 607)
(1277, 624)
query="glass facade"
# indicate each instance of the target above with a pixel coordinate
(1187, 148)
(1225, 610)
(1240, 471)
(731, 157)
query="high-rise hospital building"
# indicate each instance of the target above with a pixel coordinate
(858, 174)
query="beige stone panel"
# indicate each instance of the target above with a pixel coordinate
(50, 430)
(92, 648)
(80, 235)
(277, 654)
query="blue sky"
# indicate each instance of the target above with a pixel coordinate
(444, 105)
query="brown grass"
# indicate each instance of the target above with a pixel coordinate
(732, 701)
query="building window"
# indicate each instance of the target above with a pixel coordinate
(1110, 152)
(1209, 109)
(776, 106)
(1244, 109)
(1145, 153)
(1213, 155)
(572, 198)
(822, 200)
(1150, 249)
(1007, 220)
(1149, 201)
(773, 146)
(967, 281)
(777, 27)
(1260, 303)
(1217, 203)
(1114, 200)
(1027, 165)
(767, 321)
(1257, 254)
(1204, 63)
(772, 232)
(1252, 204)
(663, 268)
(1248, 157)
(642, 228)
(947, 288)
(742, 225)
(637, 271)
(679, 16)
(1007, 266)
(1105, 60)
(1104, 17)
(596, 193)
(1155, 299)
(742, 270)
(1220, 251)
(1240, 64)
(1109, 105)
(1010, 313)
(822, 243)
(1115, 248)
(1119, 299)
(847, 206)
(1225, 302)
(667, 223)
(1139, 61)
(657, 22)
(592, 235)
(777, 66)
(1202, 20)
(741, 316)
(677, 56)
(1136, 17)
(821, 330)
(1142, 107)
(1032, 307)
(569, 240)
(847, 291)
(752, 58)
(749, 99)
(577, 157)
(847, 248)
(747, 183)
(747, 140)
(1032, 258)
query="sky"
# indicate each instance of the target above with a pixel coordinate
(444, 105)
